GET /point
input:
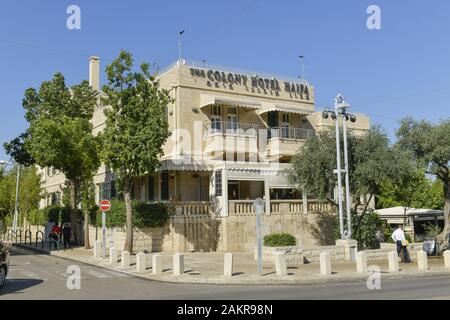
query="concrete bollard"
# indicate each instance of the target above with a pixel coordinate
(361, 262)
(157, 265)
(422, 260)
(125, 261)
(112, 255)
(447, 258)
(140, 262)
(325, 264)
(280, 263)
(393, 261)
(178, 264)
(228, 265)
(97, 249)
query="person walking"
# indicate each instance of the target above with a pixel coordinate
(67, 234)
(399, 238)
(55, 235)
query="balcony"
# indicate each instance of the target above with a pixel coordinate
(231, 137)
(285, 142)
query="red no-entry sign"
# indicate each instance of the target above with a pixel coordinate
(105, 205)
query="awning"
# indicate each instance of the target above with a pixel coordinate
(185, 165)
(286, 108)
(209, 100)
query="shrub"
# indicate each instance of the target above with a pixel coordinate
(151, 215)
(37, 217)
(279, 240)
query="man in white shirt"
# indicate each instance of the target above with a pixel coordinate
(399, 236)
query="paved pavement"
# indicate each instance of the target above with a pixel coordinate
(39, 276)
(207, 268)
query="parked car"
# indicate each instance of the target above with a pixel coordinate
(5, 247)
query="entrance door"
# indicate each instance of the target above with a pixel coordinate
(233, 190)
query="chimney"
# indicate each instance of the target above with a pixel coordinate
(94, 73)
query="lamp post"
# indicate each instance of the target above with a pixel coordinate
(16, 202)
(340, 109)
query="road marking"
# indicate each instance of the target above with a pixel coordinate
(29, 274)
(98, 274)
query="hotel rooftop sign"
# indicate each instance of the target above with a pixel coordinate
(254, 84)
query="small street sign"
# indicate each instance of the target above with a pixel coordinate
(105, 205)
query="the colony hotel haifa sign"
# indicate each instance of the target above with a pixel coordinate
(251, 83)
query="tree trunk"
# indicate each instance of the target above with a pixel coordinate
(443, 237)
(404, 217)
(73, 209)
(129, 222)
(86, 228)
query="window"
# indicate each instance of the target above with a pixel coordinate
(285, 125)
(218, 183)
(107, 190)
(151, 188)
(165, 185)
(216, 111)
(232, 125)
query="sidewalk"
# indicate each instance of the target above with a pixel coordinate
(207, 268)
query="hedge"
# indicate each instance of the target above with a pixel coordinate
(151, 215)
(279, 240)
(50, 214)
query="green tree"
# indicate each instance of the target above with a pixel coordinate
(7, 196)
(430, 146)
(30, 191)
(136, 127)
(371, 161)
(413, 191)
(60, 132)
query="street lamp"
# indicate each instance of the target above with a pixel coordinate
(340, 109)
(16, 203)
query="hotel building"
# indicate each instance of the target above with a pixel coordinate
(233, 133)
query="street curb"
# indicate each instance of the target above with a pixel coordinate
(222, 280)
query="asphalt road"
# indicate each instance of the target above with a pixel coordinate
(38, 276)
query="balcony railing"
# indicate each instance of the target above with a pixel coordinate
(232, 128)
(291, 133)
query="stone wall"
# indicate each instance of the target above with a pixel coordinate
(205, 232)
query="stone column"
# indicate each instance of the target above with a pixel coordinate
(97, 249)
(228, 265)
(325, 264)
(361, 262)
(422, 260)
(112, 255)
(393, 261)
(447, 258)
(157, 266)
(305, 202)
(178, 264)
(280, 263)
(225, 212)
(125, 261)
(267, 195)
(350, 248)
(140, 262)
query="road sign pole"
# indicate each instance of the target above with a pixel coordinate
(105, 205)
(103, 235)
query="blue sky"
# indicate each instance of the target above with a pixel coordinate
(401, 70)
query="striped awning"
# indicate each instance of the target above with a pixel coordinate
(209, 100)
(303, 110)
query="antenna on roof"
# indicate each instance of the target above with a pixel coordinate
(179, 43)
(302, 65)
